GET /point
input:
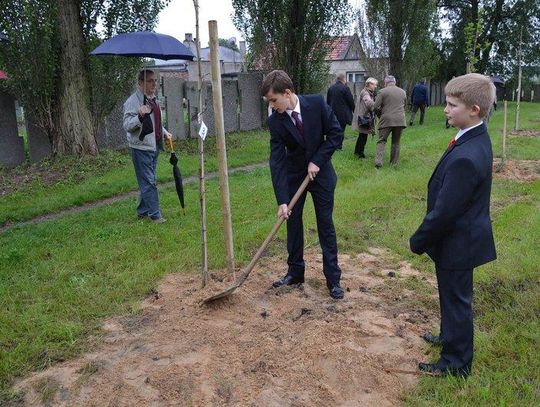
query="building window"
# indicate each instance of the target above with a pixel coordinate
(355, 77)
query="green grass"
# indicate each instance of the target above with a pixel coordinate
(90, 179)
(60, 278)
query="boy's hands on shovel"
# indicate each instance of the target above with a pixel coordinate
(312, 171)
(283, 211)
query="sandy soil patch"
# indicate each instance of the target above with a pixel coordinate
(292, 346)
(517, 170)
(525, 133)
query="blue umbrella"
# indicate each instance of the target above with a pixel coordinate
(144, 44)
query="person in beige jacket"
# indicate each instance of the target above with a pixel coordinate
(390, 107)
(364, 109)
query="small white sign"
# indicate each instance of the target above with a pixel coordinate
(203, 131)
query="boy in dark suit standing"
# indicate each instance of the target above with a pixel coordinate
(456, 232)
(298, 147)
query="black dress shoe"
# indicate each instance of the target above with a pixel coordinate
(432, 368)
(287, 280)
(433, 339)
(435, 369)
(336, 292)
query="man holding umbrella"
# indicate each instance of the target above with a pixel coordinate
(145, 133)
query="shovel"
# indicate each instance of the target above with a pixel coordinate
(242, 277)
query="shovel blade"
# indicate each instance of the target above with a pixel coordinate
(222, 294)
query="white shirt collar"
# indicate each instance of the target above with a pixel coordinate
(296, 109)
(463, 131)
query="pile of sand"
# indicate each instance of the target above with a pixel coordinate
(525, 133)
(517, 170)
(293, 346)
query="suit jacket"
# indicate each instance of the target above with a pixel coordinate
(420, 95)
(390, 106)
(290, 154)
(456, 232)
(341, 100)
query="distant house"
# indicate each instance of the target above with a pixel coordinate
(344, 56)
(231, 61)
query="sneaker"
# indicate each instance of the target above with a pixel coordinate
(159, 220)
(139, 216)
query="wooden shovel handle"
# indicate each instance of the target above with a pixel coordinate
(170, 143)
(272, 233)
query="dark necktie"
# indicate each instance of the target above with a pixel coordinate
(299, 124)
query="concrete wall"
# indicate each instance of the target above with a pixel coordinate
(243, 109)
(11, 145)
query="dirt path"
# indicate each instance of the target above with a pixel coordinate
(293, 346)
(117, 198)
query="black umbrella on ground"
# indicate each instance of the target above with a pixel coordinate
(177, 176)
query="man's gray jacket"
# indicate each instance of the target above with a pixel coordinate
(133, 126)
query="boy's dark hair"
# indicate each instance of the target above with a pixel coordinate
(277, 81)
(144, 73)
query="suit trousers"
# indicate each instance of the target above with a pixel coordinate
(381, 142)
(455, 298)
(145, 163)
(360, 145)
(414, 109)
(323, 201)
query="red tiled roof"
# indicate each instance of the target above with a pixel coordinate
(337, 47)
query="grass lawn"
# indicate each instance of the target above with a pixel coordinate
(90, 179)
(60, 278)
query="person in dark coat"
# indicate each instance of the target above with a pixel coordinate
(456, 231)
(341, 100)
(419, 100)
(304, 133)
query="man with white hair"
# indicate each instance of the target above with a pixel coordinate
(390, 107)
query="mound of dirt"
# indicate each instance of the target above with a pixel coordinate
(517, 170)
(292, 346)
(525, 133)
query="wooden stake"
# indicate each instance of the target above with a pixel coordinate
(220, 141)
(504, 130)
(202, 185)
(516, 124)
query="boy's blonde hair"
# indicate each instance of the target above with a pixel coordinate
(473, 89)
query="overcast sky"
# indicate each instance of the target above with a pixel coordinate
(178, 18)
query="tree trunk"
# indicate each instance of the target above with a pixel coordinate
(76, 133)
(395, 43)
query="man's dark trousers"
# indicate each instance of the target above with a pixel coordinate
(455, 298)
(323, 202)
(414, 109)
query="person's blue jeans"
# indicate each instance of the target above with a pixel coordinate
(145, 163)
